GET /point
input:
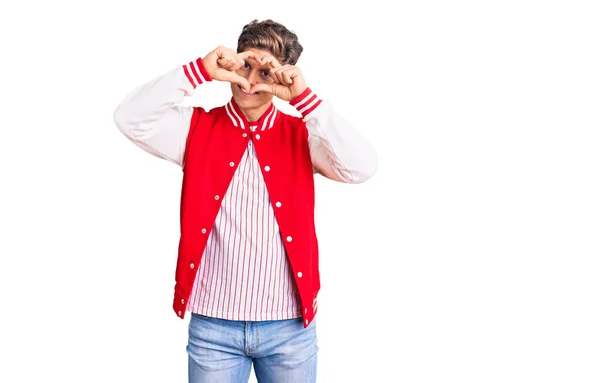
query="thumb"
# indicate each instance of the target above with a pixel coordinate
(262, 88)
(278, 90)
(236, 79)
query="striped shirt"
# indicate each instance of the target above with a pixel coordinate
(245, 273)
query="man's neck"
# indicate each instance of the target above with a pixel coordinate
(254, 114)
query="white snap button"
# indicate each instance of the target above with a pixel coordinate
(289, 239)
(179, 313)
(257, 136)
(217, 197)
(278, 204)
(231, 164)
(305, 311)
(192, 265)
(203, 231)
(306, 321)
(299, 274)
(245, 135)
(182, 301)
(267, 168)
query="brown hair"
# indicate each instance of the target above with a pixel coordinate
(273, 37)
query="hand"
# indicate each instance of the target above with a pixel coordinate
(222, 63)
(288, 80)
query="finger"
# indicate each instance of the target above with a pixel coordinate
(224, 62)
(272, 61)
(269, 88)
(230, 63)
(260, 59)
(278, 73)
(250, 55)
(273, 75)
(226, 57)
(223, 52)
(246, 54)
(279, 91)
(288, 75)
(236, 64)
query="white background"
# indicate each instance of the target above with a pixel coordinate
(471, 256)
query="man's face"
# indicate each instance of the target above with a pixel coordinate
(255, 74)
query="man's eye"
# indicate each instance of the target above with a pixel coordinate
(266, 73)
(246, 65)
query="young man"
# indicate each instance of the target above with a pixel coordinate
(247, 268)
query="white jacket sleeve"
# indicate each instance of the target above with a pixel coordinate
(337, 150)
(150, 117)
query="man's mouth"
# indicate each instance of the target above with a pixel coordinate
(246, 93)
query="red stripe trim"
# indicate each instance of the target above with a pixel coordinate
(300, 97)
(187, 73)
(307, 102)
(203, 69)
(307, 111)
(300, 102)
(195, 73)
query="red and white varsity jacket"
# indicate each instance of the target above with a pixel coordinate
(289, 153)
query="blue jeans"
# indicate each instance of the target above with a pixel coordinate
(222, 351)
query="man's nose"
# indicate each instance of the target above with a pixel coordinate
(252, 77)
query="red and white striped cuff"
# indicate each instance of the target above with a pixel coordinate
(196, 72)
(306, 102)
